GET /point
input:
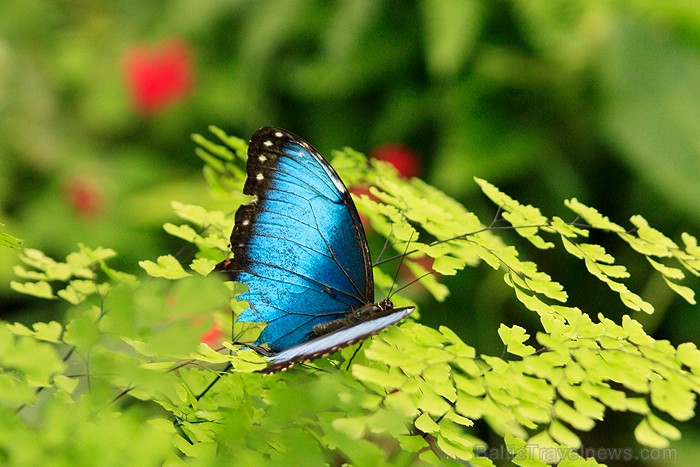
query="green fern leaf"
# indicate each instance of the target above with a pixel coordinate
(166, 266)
(41, 289)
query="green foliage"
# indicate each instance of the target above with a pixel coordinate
(127, 363)
(8, 241)
(500, 90)
(79, 274)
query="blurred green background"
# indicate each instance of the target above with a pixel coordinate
(548, 99)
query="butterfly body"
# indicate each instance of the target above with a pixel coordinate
(355, 316)
(349, 334)
(301, 250)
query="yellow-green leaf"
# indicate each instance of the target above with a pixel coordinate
(646, 435)
(167, 266)
(41, 289)
(687, 293)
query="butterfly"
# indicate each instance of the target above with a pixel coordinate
(301, 250)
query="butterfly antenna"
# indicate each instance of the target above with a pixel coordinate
(385, 246)
(396, 274)
(417, 279)
(491, 226)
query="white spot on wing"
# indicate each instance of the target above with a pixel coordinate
(267, 143)
(278, 134)
(246, 222)
(259, 177)
(262, 158)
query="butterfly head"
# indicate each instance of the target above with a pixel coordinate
(385, 304)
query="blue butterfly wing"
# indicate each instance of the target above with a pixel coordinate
(299, 247)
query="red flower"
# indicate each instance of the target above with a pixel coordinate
(403, 158)
(85, 198)
(160, 75)
(213, 337)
